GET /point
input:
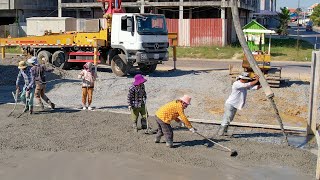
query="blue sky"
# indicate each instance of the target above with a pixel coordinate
(294, 3)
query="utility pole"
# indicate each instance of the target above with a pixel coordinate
(298, 33)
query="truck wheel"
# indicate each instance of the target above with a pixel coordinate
(148, 68)
(118, 66)
(58, 60)
(44, 57)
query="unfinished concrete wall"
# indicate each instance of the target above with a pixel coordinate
(14, 30)
(18, 10)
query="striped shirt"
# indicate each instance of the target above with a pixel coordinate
(171, 111)
(137, 96)
(38, 73)
(24, 78)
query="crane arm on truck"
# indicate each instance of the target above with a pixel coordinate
(111, 6)
(122, 40)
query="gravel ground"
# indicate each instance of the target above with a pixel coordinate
(209, 90)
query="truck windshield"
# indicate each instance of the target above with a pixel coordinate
(152, 24)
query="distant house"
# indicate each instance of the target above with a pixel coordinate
(267, 15)
(310, 9)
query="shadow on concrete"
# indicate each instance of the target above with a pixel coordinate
(293, 82)
(104, 69)
(202, 142)
(170, 73)
(295, 65)
(114, 107)
(255, 135)
(57, 110)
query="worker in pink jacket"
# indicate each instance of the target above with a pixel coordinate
(88, 76)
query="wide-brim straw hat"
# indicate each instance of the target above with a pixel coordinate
(22, 65)
(139, 79)
(186, 99)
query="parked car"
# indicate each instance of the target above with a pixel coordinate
(309, 26)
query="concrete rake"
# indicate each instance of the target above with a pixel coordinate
(233, 153)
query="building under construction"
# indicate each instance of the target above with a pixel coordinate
(198, 22)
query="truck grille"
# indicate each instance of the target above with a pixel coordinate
(155, 47)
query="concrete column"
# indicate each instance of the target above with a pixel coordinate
(142, 6)
(313, 98)
(77, 10)
(181, 25)
(155, 9)
(181, 11)
(224, 26)
(59, 9)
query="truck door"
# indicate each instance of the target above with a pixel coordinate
(127, 36)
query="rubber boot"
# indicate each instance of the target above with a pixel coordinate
(52, 105)
(223, 131)
(157, 140)
(31, 110)
(143, 123)
(135, 127)
(26, 108)
(169, 144)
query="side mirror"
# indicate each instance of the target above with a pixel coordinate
(129, 24)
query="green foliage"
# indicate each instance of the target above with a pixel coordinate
(284, 18)
(289, 43)
(13, 50)
(281, 50)
(315, 16)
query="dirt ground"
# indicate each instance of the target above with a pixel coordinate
(69, 143)
(76, 144)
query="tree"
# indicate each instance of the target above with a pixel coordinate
(315, 16)
(284, 17)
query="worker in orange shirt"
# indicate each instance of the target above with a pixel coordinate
(169, 112)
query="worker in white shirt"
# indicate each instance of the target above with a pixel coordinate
(237, 99)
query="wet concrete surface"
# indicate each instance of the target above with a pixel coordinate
(74, 144)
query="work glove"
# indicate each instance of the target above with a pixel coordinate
(181, 124)
(193, 130)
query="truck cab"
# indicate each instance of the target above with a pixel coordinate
(138, 40)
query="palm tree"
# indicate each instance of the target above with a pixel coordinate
(284, 17)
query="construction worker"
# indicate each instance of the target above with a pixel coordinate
(237, 99)
(88, 76)
(27, 86)
(169, 112)
(137, 97)
(39, 78)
